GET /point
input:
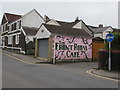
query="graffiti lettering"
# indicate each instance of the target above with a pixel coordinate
(80, 47)
(72, 54)
(72, 48)
(62, 46)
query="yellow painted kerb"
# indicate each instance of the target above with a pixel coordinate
(90, 72)
(17, 58)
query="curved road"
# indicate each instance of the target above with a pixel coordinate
(18, 74)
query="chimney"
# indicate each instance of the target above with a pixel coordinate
(77, 19)
(46, 18)
(100, 25)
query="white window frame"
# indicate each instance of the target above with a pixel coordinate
(10, 39)
(17, 25)
(3, 39)
(10, 28)
(17, 39)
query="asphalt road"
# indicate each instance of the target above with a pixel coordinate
(16, 74)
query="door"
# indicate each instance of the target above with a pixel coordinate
(43, 48)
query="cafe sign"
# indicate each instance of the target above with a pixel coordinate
(72, 48)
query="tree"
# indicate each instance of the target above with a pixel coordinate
(115, 45)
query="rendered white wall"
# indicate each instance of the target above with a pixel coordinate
(32, 19)
(98, 35)
(53, 22)
(45, 33)
(81, 25)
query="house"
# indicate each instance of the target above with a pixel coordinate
(57, 41)
(17, 31)
(101, 31)
(115, 30)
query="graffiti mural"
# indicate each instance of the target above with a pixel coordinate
(72, 48)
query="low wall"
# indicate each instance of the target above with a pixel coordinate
(103, 60)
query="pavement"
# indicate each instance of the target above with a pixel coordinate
(88, 65)
(27, 58)
(108, 74)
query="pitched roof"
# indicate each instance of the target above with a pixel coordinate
(30, 31)
(67, 31)
(12, 17)
(92, 27)
(67, 24)
(100, 30)
(116, 30)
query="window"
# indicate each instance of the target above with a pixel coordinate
(7, 27)
(10, 28)
(1, 29)
(17, 39)
(14, 26)
(42, 31)
(4, 28)
(3, 40)
(19, 24)
(10, 39)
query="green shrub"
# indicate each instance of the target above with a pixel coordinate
(30, 48)
(115, 44)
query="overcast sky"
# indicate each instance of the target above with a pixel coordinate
(92, 13)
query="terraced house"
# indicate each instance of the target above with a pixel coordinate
(17, 31)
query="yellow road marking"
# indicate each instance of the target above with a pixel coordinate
(17, 58)
(90, 72)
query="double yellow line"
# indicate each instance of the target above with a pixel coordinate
(17, 58)
(90, 72)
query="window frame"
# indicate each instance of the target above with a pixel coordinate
(17, 39)
(10, 39)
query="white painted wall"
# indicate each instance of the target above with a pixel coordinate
(78, 25)
(81, 25)
(53, 22)
(107, 32)
(104, 34)
(45, 34)
(32, 19)
(98, 35)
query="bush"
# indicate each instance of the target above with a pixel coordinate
(30, 48)
(115, 44)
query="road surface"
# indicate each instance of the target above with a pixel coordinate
(18, 74)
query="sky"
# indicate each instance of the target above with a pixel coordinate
(92, 13)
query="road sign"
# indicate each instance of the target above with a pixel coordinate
(109, 37)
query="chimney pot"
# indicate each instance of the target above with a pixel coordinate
(77, 19)
(100, 25)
